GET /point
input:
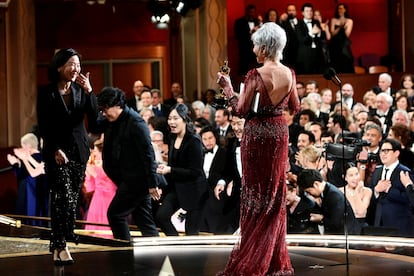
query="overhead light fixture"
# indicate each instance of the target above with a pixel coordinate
(161, 21)
(180, 7)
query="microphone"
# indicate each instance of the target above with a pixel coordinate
(330, 74)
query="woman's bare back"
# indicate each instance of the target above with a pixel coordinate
(277, 79)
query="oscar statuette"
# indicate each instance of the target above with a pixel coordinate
(220, 100)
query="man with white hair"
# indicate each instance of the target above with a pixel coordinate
(384, 83)
(384, 111)
(401, 117)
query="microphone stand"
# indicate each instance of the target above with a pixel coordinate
(334, 78)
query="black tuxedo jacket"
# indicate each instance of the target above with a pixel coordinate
(228, 139)
(64, 128)
(187, 173)
(218, 167)
(393, 209)
(310, 60)
(333, 207)
(291, 48)
(132, 103)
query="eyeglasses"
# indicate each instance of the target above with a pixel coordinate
(386, 151)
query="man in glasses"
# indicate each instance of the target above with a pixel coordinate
(393, 210)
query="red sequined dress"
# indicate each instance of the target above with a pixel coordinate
(262, 248)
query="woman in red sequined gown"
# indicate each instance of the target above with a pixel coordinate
(262, 249)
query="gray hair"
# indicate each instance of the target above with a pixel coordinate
(402, 112)
(385, 76)
(387, 97)
(30, 139)
(198, 104)
(273, 38)
(371, 126)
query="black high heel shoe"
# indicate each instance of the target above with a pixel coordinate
(59, 261)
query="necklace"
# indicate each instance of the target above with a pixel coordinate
(351, 192)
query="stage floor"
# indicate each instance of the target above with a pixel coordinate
(203, 256)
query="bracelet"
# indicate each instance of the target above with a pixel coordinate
(362, 167)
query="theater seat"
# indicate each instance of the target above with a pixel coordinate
(377, 69)
(359, 70)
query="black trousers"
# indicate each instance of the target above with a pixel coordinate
(139, 206)
(169, 206)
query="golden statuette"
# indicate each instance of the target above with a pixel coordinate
(221, 100)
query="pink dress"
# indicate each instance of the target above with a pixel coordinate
(104, 190)
(262, 248)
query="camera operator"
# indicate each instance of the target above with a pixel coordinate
(368, 158)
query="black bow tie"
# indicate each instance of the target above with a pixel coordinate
(208, 151)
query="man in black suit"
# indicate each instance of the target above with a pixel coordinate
(230, 192)
(393, 208)
(289, 23)
(159, 109)
(384, 112)
(333, 204)
(134, 102)
(129, 160)
(214, 166)
(310, 57)
(224, 128)
(244, 27)
(176, 92)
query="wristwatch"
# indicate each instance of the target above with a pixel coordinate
(362, 167)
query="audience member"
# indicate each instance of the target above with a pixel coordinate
(370, 100)
(407, 84)
(384, 111)
(401, 133)
(300, 86)
(358, 196)
(198, 107)
(272, 16)
(223, 127)
(342, 59)
(310, 55)
(146, 113)
(102, 187)
(317, 128)
(368, 158)
(29, 168)
(390, 196)
(176, 94)
(311, 86)
(134, 102)
(324, 27)
(321, 117)
(244, 27)
(294, 127)
(333, 204)
(384, 85)
(348, 95)
(299, 209)
(289, 23)
(326, 100)
(159, 109)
